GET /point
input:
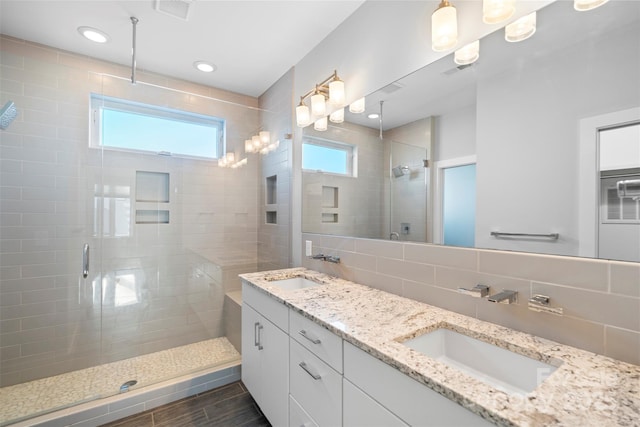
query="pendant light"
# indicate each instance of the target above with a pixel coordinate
(444, 27)
(495, 11)
(320, 124)
(357, 106)
(318, 104)
(337, 116)
(521, 29)
(336, 92)
(303, 118)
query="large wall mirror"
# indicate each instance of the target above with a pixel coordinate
(489, 155)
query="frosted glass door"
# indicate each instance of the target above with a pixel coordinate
(459, 205)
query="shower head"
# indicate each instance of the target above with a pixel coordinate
(7, 114)
(400, 170)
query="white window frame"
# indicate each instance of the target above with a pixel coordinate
(99, 102)
(350, 149)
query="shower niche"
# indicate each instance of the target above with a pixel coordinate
(152, 189)
(271, 211)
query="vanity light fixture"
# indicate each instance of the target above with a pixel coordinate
(320, 124)
(229, 161)
(444, 27)
(204, 66)
(584, 5)
(357, 106)
(94, 34)
(521, 29)
(337, 116)
(331, 89)
(261, 143)
(467, 54)
(495, 11)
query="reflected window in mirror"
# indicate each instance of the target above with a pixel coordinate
(320, 155)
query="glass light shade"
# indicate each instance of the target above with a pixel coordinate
(222, 162)
(337, 116)
(248, 146)
(303, 117)
(495, 11)
(230, 157)
(584, 5)
(444, 27)
(318, 105)
(467, 54)
(265, 137)
(521, 29)
(321, 124)
(357, 106)
(336, 92)
(255, 139)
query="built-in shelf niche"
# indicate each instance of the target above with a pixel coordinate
(329, 217)
(272, 190)
(329, 197)
(148, 216)
(272, 217)
(152, 187)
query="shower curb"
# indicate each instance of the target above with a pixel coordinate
(122, 405)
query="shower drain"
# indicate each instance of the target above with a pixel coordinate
(125, 387)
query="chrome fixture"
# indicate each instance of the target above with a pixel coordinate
(7, 114)
(125, 387)
(401, 170)
(394, 234)
(134, 23)
(504, 297)
(478, 291)
(305, 335)
(85, 260)
(328, 258)
(303, 365)
(540, 303)
(551, 236)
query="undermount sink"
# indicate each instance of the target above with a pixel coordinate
(294, 283)
(500, 368)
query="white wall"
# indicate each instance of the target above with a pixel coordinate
(455, 134)
(528, 151)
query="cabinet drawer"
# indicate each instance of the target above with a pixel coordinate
(360, 410)
(413, 402)
(320, 341)
(298, 417)
(274, 311)
(315, 385)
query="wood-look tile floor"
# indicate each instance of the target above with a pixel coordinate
(230, 405)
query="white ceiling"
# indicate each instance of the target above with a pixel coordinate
(252, 43)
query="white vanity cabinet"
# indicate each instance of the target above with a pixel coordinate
(315, 371)
(265, 353)
(412, 402)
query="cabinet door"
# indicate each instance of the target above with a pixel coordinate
(275, 374)
(360, 410)
(250, 353)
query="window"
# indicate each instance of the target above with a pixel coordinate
(131, 126)
(328, 156)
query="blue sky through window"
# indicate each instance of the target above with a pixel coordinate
(129, 130)
(326, 159)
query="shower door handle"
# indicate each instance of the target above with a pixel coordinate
(85, 260)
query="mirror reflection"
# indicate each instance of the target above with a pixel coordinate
(490, 155)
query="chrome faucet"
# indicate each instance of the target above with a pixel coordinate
(328, 258)
(478, 291)
(504, 297)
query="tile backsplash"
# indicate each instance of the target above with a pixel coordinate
(600, 298)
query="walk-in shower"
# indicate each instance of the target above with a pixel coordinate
(168, 235)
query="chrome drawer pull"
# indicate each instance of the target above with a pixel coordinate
(313, 340)
(257, 339)
(314, 376)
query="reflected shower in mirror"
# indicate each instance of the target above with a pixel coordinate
(515, 114)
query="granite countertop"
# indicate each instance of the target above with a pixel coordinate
(585, 389)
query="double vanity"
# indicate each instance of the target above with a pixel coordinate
(322, 351)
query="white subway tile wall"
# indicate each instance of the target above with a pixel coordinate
(600, 298)
(151, 286)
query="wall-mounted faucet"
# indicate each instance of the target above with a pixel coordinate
(540, 303)
(504, 297)
(328, 258)
(478, 291)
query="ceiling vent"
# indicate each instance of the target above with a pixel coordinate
(390, 88)
(456, 69)
(176, 8)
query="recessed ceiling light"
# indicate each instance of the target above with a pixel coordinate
(373, 115)
(204, 66)
(94, 34)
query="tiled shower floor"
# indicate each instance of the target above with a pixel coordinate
(41, 396)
